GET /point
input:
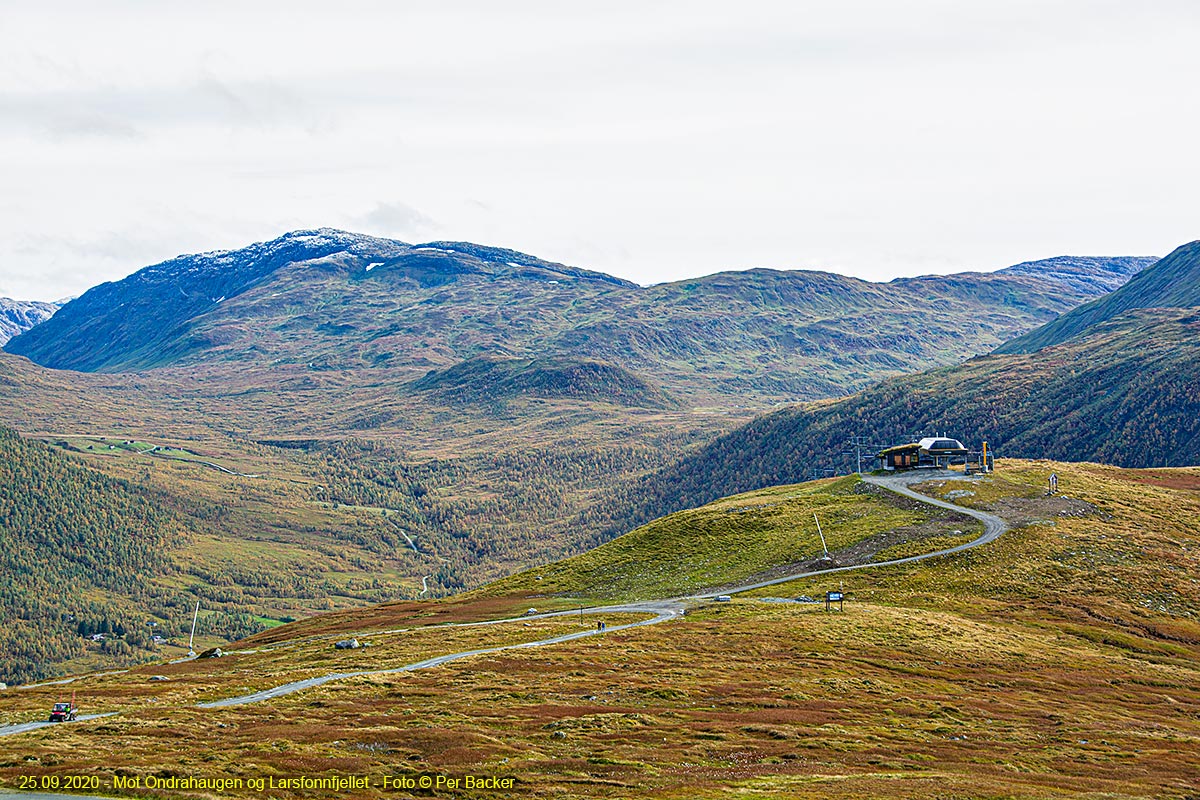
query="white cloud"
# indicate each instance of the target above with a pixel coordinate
(654, 140)
(396, 220)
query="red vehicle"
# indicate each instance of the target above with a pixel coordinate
(63, 712)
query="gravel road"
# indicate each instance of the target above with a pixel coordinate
(663, 610)
(25, 727)
(993, 527)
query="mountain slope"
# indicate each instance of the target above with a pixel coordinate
(144, 320)
(487, 379)
(333, 301)
(1174, 282)
(18, 316)
(76, 549)
(1123, 394)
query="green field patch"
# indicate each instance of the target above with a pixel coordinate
(923, 546)
(718, 544)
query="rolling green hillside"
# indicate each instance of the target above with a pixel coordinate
(1124, 393)
(329, 301)
(1059, 661)
(1173, 282)
(737, 539)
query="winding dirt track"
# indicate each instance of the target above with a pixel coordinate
(668, 609)
(993, 527)
(662, 610)
(25, 727)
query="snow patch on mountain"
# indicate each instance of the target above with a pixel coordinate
(18, 316)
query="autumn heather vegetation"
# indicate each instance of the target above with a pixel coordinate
(335, 420)
(1058, 661)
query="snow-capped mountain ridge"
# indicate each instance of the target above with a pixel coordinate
(18, 316)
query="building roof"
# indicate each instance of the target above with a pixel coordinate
(900, 448)
(939, 444)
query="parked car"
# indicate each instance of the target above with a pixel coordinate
(63, 712)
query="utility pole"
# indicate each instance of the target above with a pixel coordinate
(858, 442)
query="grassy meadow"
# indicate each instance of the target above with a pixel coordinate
(1059, 661)
(733, 540)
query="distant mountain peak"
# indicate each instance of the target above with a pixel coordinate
(298, 245)
(18, 316)
(1086, 273)
(1172, 282)
(346, 301)
(158, 303)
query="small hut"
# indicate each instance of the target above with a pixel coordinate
(932, 452)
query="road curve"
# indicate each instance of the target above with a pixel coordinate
(993, 527)
(663, 610)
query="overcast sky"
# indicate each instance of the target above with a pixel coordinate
(651, 140)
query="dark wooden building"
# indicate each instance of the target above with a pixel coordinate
(933, 452)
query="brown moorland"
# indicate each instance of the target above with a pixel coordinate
(1059, 661)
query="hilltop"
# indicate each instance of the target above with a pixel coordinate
(1174, 282)
(330, 301)
(741, 539)
(1086, 275)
